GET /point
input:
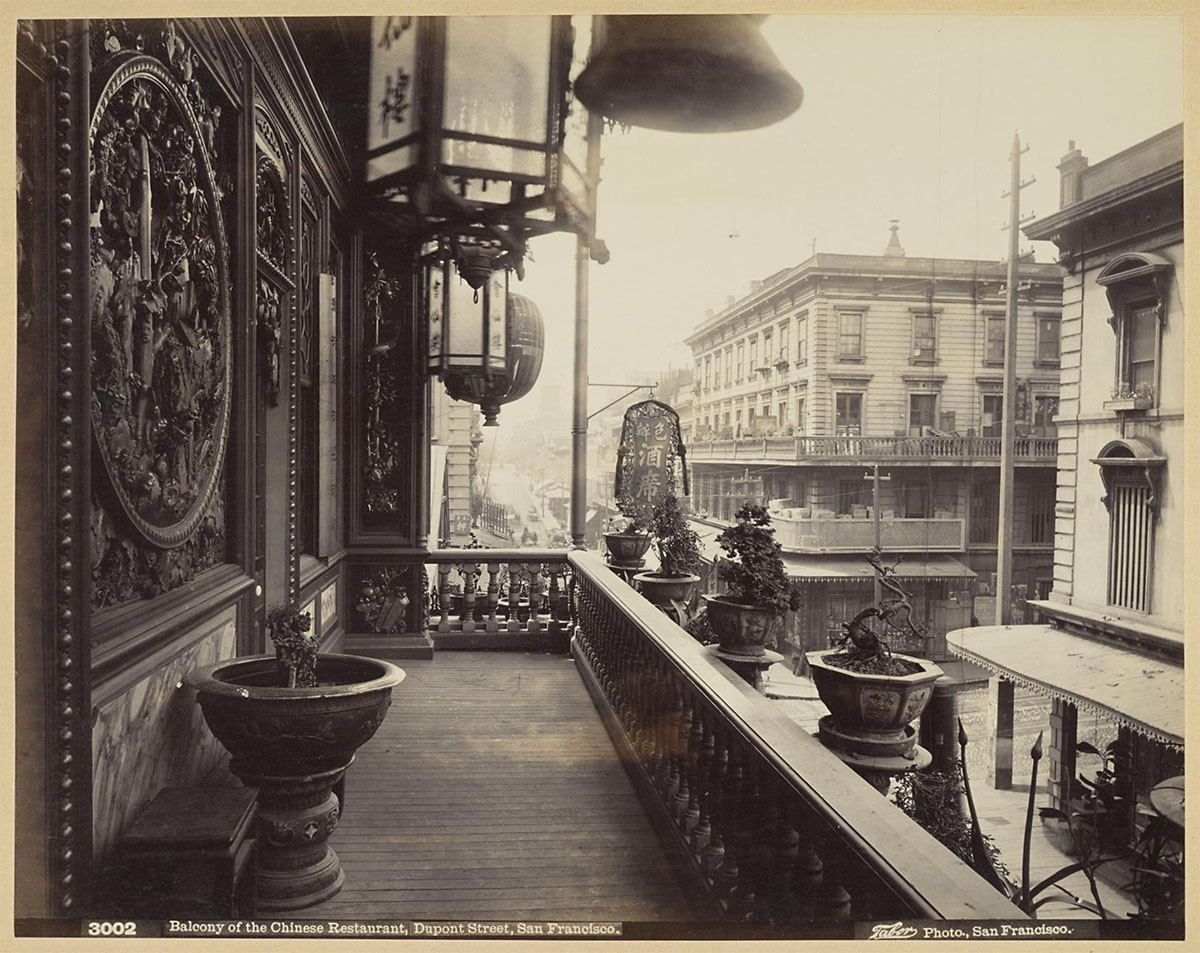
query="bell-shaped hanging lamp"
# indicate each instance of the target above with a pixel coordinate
(687, 73)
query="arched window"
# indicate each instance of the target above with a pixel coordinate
(1136, 284)
(1131, 470)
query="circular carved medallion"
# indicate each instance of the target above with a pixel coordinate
(160, 299)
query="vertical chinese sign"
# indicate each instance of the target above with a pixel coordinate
(651, 460)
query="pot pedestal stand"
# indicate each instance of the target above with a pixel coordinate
(625, 568)
(749, 667)
(296, 814)
(877, 756)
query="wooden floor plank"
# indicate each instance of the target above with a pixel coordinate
(492, 791)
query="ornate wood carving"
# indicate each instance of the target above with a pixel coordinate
(384, 398)
(160, 308)
(273, 221)
(269, 328)
(383, 600)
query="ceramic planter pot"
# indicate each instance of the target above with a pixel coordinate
(861, 702)
(671, 594)
(294, 745)
(627, 549)
(742, 629)
(666, 590)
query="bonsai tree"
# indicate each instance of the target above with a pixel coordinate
(863, 648)
(295, 649)
(675, 542)
(754, 571)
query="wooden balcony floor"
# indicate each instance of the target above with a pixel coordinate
(492, 792)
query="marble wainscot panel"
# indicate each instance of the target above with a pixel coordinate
(153, 736)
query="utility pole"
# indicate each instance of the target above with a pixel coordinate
(1004, 553)
(874, 477)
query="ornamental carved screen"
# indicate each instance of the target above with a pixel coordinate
(651, 460)
(159, 313)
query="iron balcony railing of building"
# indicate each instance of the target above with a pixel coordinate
(772, 826)
(802, 448)
(847, 534)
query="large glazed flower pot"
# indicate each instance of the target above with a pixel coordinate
(294, 745)
(873, 703)
(672, 594)
(627, 549)
(742, 629)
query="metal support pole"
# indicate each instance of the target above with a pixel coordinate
(579, 428)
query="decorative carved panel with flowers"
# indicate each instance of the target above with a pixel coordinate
(159, 313)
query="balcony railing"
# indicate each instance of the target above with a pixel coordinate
(856, 535)
(477, 598)
(773, 827)
(802, 448)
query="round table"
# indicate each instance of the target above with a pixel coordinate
(1167, 798)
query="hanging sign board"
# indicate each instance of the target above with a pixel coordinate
(651, 461)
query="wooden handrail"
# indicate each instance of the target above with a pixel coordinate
(732, 770)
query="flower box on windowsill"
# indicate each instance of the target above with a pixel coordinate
(1123, 404)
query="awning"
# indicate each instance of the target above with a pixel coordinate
(851, 567)
(1137, 690)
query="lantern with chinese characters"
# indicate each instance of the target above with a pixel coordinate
(471, 125)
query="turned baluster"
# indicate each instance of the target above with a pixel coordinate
(713, 853)
(702, 832)
(443, 572)
(470, 573)
(670, 742)
(743, 897)
(658, 731)
(491, 599)
(833, 902)
(785, 906)
(765, 846)
(535, 597)
(554, 598)
(682, 792)
(690, 816)
(726, 880)
(808, 873)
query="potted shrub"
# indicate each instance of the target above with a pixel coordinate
(627, 540)
(292, 722)
(751, 613)
(677, 546)
(867, 687)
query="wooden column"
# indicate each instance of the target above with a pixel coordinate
(1000, 714)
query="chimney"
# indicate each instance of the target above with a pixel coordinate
(729, 300)
(755, 285)
(1071, 168)
(708, 312)
(894, 248)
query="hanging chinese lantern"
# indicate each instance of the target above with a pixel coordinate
(485, 343)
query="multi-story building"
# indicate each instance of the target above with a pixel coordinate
(1113, 644)
(845, 363)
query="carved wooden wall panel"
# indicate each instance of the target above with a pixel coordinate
(159, 312)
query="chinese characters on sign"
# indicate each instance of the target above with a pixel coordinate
(650, 460)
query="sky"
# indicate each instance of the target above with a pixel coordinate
(907, 117)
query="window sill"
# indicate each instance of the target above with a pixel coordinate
(851, 359)
(923, 361)
(1128, 404)
(1046, 363)
(988, 363)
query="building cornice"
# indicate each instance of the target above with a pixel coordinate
(1053, 227)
